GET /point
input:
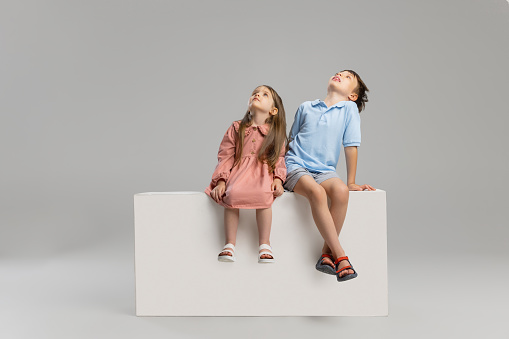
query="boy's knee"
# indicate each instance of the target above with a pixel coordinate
(340, 193)
(317, 193)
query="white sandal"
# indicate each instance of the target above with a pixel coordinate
(265, 247)
(226, 257)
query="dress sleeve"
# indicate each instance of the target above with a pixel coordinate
(280, 169)
(225, 157)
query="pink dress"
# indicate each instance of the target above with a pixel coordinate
(248, 183)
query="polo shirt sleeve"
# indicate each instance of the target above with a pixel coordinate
(352, 134)
(296, 123)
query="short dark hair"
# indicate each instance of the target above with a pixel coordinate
(361, 91)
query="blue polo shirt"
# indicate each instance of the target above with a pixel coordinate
(318, 132)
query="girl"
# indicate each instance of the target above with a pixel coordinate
(251, 169)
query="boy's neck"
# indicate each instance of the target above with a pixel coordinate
(333, 98)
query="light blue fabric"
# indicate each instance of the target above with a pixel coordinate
(318, 132)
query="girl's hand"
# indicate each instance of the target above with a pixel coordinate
(218, 191)
(355, 187)
(277, 187)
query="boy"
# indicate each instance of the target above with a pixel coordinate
(318, 130)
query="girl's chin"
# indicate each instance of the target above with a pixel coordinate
(254, 107)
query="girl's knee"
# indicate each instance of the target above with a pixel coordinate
(264, 211)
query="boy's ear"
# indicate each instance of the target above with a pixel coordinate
(273, 111)
(353, 96)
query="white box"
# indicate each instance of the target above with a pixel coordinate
(178, 236)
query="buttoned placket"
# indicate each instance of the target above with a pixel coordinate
(253, 142)
(323, 117)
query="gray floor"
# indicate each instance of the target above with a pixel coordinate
(90, 294)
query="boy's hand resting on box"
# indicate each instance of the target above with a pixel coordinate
(355, 187)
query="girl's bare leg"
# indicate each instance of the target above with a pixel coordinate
(231, 223)
(264, 221)
(317, 197)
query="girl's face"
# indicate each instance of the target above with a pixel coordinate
(261, 101)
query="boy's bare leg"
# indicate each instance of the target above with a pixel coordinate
(264, 221)
(231, 223)
(338, 193)
(317, 197)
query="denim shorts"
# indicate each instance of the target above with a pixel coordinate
(296, 174)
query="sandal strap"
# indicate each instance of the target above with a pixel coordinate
(340, 259)
(264, 247)
(325, 255)
(344, 268)
(229, 245)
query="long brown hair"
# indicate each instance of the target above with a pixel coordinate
(274, 140)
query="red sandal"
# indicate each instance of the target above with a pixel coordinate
(339, 270)
(324, 268)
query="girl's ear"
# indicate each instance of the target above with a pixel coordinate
(353, 96)
(273, 111)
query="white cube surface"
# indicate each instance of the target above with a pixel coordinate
(178, 236)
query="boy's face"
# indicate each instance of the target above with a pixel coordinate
(344, 83)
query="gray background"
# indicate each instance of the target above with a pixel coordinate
(104, 99)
